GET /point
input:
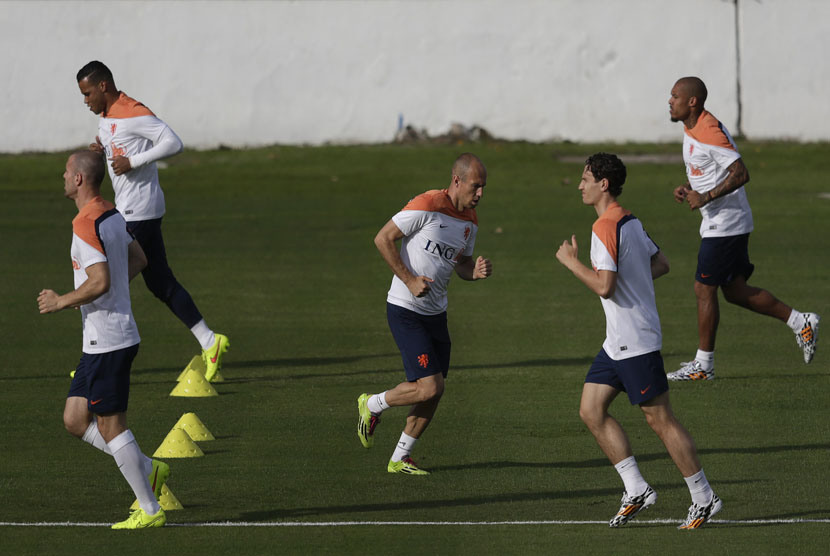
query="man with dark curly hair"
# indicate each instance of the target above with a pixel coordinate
(625, 264)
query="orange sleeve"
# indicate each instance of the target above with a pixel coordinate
(424, 201)
(708, 131)
(606, 230)
(126, 107)
(84, 228)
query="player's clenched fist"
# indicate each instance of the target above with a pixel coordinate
(567, 251)
(419, 286)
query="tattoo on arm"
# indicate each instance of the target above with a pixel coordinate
(737, 177)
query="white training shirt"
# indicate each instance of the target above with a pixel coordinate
(99, 235)
(708, 150)
(436, 235)
(130, 129)
(620, 244)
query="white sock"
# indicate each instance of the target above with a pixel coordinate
(131, 463)
(630, 474)
(796, 321)
(699, 488)
(706, 359)
(204, 334)
(404, 448)
(93, 437)
(377, 403)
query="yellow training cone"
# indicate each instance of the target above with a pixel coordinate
(178, 445)
(194, 428)
(193, 385)
(196, 364)
(167, 501)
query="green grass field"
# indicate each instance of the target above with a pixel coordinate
(275, 245)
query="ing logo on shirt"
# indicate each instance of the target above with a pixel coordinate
(423, 360)
(467, 233)
(694, 170)
(112, 128)
(691, 147)
(75, 265)
(445, 251)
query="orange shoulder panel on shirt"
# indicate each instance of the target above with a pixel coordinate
(606, 228)
(437, 200)
(424, 201)
(127, 107)
(708, 131)
(83, 225)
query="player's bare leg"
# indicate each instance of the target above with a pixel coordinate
(411, 393)
(609, 434)
(76, 416)
(708, 315)
(612, 440)
(423, 395)
(755, 299)
(678, 441)
(702, 367)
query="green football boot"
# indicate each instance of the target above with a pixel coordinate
(366, 422)
(140, 520)
(407, 466)
(213, 356)
(158, 476)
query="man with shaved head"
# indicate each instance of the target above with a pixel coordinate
(105, 257)
(438, 232)
(716, 187)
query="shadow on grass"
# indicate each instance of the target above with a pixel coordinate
(324, 361)
(602, 462)
(509, 498)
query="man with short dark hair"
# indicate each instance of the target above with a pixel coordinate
(105, 257)
(134, 139)
(438, 232)
(625, 263)
(716, 184)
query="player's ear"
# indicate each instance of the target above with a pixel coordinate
(603, 184)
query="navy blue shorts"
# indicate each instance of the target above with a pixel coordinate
(722, 259)
(424, 341)
(642, 377)
(104, 380)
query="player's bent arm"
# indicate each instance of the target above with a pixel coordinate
(96, 285)
(469, 270)
(385, 243)
(659, 265)
(601, 282)
(167, 145)
(136, 259)
(738, 176)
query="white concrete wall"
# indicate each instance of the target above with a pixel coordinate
(255, 73)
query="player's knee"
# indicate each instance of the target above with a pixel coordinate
(659, 420)
(591, 416)
(74, 426)
(431, 390)
(734, 295)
